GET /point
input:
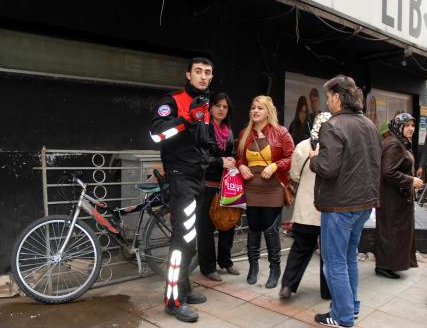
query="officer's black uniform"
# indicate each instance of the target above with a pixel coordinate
(181, 125)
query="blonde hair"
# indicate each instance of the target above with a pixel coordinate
(272, 119)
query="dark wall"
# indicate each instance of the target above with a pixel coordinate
(70, 114)
(59, 114)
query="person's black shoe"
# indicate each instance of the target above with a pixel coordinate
(233, 270)
(196, 298)
(327, 320)
(285, 293)
(253, 273)
(183, 312)
(213, 276)
(273, 278)
(386, 273)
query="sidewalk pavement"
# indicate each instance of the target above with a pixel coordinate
(231, 303)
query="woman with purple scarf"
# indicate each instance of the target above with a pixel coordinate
(221, 151)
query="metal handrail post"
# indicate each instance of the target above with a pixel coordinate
(44, 181)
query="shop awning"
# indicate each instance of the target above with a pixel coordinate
(401, 24)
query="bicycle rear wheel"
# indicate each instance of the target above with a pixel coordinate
(45, 275)
(157, 237)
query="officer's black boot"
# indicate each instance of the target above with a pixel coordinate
(254, 244)
(272, 240)
(183, 312)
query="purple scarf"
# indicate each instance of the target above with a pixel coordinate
(222, 133)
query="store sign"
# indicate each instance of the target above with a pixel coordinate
(402, 19)
(422, 126)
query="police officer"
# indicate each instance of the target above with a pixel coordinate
(180, 124)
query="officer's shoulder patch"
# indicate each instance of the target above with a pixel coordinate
(164, 110)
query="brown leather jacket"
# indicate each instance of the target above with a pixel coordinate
(348, 167)
(282, 147)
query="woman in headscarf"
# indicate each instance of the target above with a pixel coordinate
(395, 223)
(305, 218)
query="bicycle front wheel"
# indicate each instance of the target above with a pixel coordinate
(43, 273)
(157, 237)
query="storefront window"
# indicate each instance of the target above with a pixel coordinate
(297, 85)
(384, 105)
(381, 105)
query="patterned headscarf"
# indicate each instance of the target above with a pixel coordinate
(397, 124)
(318, 121)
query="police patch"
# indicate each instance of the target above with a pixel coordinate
(164, 110)
(199, 115)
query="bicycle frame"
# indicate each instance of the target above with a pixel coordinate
(56, 259)
(75, 216)
(86, 203)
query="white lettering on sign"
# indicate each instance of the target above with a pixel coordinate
(405, 20)
(234, 186)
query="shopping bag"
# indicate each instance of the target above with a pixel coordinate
(232, 189)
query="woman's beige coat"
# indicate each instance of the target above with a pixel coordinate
(304, 210)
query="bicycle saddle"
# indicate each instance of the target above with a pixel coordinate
(148, 187)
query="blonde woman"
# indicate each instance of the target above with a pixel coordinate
(264, 159)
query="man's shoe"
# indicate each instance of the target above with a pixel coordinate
(386, 273)
(327, 320)
(232, 270)
(196, 298)
(213, 276)
(183, 312)
(285, 292)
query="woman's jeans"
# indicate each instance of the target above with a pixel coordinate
(340, 240)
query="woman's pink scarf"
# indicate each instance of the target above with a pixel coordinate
(222, 133)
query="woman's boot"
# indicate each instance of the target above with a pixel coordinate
(272, 240)
(254, 244)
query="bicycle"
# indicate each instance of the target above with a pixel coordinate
(57, 258)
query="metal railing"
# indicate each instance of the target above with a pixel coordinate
(111, 177)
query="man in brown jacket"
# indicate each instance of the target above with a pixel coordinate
(347, 167)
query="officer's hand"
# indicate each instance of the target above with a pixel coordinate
(419, 172)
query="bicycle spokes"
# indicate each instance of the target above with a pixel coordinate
(44, 270)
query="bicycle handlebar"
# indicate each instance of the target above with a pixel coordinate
(75, 176)
(79, 182)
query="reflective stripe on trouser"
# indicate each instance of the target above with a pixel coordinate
(173, 274)
(186, 192)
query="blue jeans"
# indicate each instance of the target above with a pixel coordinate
(340, 239)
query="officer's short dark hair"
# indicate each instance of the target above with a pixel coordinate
(197, 60)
